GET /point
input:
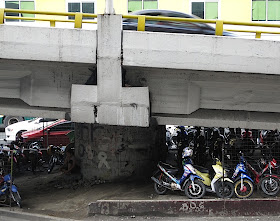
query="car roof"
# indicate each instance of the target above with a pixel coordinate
(168, 13)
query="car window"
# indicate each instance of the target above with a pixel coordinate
(186, 24)
(63, 127)
(146, 14)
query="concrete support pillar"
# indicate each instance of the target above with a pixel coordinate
(108, 102)
(109, 73)
(115, 152)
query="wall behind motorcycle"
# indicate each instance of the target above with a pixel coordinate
(113, 152)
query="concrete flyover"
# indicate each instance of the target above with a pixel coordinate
(176, 78)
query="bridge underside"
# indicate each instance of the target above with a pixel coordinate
(223, 99)
(188, 97)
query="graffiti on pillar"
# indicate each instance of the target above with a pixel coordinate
(85, 132)
(81, 150)
(192, 206)
(102, 157)
(89, 152)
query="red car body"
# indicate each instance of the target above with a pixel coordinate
(54, 134)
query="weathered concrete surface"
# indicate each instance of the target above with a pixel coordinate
(197, 74)
(217, 207)
(48, 44)
(108, 102)
(200, 52)
(222, 118)
(225, 99)
(116, 152)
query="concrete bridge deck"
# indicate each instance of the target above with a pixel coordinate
(189, 77)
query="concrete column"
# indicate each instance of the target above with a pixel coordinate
(115, 152)
(109, 73)
(108, 102)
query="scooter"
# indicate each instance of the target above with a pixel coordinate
(220, 184)
(9, 190)
(56, 157)
(243, 186)
(165, 178)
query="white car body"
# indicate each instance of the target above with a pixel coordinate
(27, 125)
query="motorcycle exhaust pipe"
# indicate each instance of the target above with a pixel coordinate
(168, 186)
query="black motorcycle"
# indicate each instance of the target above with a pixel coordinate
(56, 157)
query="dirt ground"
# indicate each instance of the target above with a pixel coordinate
(56, 195)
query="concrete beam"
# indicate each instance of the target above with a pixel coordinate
(171, 93)
(222, 118)
(48, 44)
(200, 52)
(17, 107)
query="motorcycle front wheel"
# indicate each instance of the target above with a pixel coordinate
(161, 190)
(224, 189)
(195, 189)
(16, 197)
(270, 186)
(244, 192)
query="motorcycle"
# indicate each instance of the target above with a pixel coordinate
(9, 190)
(220, 184)
(35, 156)
(243, 186)
(56, 157)
(19, 159)
(269, 184)
(165, 178)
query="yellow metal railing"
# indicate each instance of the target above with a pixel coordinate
(78, 21)
(219, 24)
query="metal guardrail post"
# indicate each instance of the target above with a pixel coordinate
(78, 20)
(109, 7)
(258, 34)
(2, 13)
(52, 23)
(219, 27)
(141, 23)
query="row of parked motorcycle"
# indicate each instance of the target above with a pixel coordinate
(15, 159)
(209, 142)
(30, 158)
(195, 180)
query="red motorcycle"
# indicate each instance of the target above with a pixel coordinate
(265, 179)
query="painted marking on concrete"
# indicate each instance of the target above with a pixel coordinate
(102, 156)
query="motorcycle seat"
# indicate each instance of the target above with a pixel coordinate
(201, 169)
(168, 166)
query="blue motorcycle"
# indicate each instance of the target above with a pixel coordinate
(9, 190)
(243, 186)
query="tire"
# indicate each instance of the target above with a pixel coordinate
(196, 192)
(21, 131)
(246, 192)
(51, 165)
(224, 189)
(270, 186)
(8, 120)
(160, 190)
(16, 197)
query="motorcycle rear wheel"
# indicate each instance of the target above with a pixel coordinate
(224, 189)
(270, 186)
(51, 164)
(243, 193)
(195, 190)
(161, 190)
